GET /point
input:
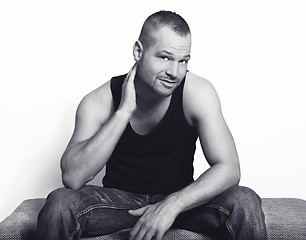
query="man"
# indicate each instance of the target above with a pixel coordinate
(143, 127)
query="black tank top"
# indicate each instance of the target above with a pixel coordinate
(158, 162)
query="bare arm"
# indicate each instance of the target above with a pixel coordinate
(97, 130)
(217, 144)
(203, 111)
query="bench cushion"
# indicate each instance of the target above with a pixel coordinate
(285, 219)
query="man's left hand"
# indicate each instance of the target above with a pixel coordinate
(154, 221)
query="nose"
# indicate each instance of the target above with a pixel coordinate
(173, 70)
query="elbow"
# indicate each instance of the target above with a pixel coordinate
(71, 179)
(233, 174)
(236, 176)
(74, 180)
(237, 179)
(71, 182)
(75, 174)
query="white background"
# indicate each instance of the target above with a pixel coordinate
(52, 53)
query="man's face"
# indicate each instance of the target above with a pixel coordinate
(164, 60)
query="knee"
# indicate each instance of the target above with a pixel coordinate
(244, 193)
(58, 201)
(245, 198)
(59, 197)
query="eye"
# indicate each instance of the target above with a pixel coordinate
(164, 57)
(184, 61)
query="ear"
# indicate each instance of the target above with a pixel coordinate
(137, 50)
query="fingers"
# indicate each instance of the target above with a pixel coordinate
(142, 231)
(128, 99)
(137, 233)
(133, 70)
(138, 212)
(152, 224)
(134, 231)
(130, 77)
(159, 235)
(131, 74)
(149, 234)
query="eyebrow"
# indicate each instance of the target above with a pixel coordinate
(171, 54)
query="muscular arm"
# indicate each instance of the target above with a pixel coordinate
(217, 144)
(97, 130)
(202, 109)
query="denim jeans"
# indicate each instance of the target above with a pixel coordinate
(94, 210)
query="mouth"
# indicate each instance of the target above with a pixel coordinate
(167, 80)
(167, 83)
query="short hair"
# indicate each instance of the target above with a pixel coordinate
(161, 19)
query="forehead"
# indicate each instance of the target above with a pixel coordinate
(166, 39)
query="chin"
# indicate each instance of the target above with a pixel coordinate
(164, 92)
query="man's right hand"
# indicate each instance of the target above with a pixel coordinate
(128, 97)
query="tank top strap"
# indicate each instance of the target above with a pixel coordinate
(116, 89)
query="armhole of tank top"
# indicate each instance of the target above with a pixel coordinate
(182, 101)
(176, 105)
(180, 94)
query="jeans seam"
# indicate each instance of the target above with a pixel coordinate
(77, 228)
(221, 209)
(230, 230)
(86, 210)
(227, 213)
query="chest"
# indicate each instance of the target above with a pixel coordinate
(143, 122)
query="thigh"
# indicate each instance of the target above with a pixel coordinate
(107, 211)
(213, 216)
(97, 210)
(204, 219)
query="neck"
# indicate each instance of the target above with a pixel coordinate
(146, 99)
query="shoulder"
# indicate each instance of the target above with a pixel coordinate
(196, 86)
(97, 104)
(200, 98)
